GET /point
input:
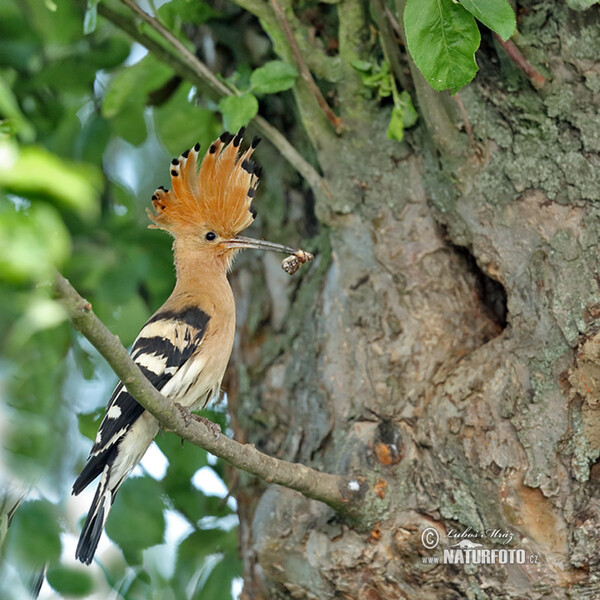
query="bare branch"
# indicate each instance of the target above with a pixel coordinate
(345, 494)
(389, 45)
(536, 78)
(465, 116)
(304, 70)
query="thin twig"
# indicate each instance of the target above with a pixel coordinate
(185, 62)
(304, 70)
(186, 56)
(344, 494)
(465, 117)
(394, 22)
(536, 78)
(158, 50)
(389, 45)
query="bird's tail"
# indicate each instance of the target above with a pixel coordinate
(96, 518)
(113, 462)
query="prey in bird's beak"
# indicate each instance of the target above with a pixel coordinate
(290, 264)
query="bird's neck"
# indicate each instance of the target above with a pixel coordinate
(199, 271)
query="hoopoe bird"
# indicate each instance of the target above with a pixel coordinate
(184, 348)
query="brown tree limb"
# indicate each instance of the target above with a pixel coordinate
(465, 117)
(536, 78)
(304, 70)
(344, 494)
(185, 62)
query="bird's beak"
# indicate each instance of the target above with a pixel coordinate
(246, 242)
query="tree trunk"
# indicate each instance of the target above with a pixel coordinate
(444, 344)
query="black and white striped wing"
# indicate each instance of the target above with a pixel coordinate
(163, 346)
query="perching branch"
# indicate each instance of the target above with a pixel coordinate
(346, 495)
(181, 59)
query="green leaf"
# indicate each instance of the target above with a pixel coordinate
(218, 584)
(9, 108)
(184, 460)
(195, 12)
(409, 114)
(70, 581)
(34, 241)
(42, 313)
(89, 423)
(136, 520)
(200, 544)
(274, 76)
(395, 130)
(442, 38)
(498, 15)
(89, 19)
(34, 534)
(362, 65)
(132, 85)
(404, 116)
(33, 172)
(173, 120)
(376, 77)
(238, 111)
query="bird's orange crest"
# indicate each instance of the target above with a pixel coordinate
(218, 194)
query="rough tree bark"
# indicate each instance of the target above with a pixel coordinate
(446, 340)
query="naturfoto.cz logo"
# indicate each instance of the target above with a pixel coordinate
(466, 551)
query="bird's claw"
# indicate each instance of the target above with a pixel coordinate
(211, 425)
(188, 417)
(185, 413)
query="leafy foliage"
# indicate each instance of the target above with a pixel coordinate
(497, 15)
(70, 581)
(34, 533)
(274, 76)
(442, 36)
(76, 97)
(378, 80)
(238, 110)
(137, 521)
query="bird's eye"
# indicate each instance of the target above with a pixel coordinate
(211, 236)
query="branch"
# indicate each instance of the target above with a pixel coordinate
(158, 50)
(389, 45)
(304, 70)
(435, 106)
(465, 116)
(347, 495)
(189, 66)
(536, 78)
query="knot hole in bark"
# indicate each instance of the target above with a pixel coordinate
(490, 292)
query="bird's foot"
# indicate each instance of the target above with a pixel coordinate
(185, 413)
(188, 417)
(211, 425)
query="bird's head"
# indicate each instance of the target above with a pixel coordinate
(209, 206)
